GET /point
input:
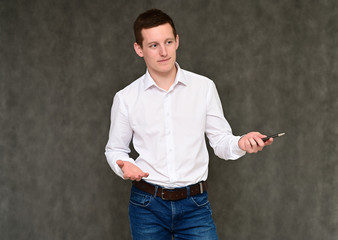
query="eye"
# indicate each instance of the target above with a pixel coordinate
(169, 42)
(153, 45)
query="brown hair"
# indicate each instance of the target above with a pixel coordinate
(149, 19)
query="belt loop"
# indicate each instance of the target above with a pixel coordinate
(155, 192)
(188, 191)
(201, 187)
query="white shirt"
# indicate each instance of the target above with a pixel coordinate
(168, 129)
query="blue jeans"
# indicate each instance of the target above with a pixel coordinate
(152, 218)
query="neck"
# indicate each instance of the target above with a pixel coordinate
(164, 80)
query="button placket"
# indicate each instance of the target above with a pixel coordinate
(168, 122)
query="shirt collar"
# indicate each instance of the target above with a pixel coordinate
(180, 78)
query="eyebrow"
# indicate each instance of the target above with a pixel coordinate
(153, 42)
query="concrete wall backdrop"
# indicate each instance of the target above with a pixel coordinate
(275, 64)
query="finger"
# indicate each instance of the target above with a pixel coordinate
(126, 176)
(260, 145)
(146, 175)
(269, 142)
(259, 148)
(247, 144)
(141, 175)
(133, 177)
(253, 142)
(259, 141)
(138, 178)
(261, 135)
(120, 163)
(254, 134)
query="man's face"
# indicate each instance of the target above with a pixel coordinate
(158, 49)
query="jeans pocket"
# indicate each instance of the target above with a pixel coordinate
(200, 200)
(140, 199)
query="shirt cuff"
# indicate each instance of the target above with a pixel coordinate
(116, 167)
(236, 150)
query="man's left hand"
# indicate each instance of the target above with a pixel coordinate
(252, 142)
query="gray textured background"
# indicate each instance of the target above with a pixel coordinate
(275, 64)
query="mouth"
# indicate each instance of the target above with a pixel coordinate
(164, 60)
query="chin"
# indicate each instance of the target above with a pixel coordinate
(166, 68)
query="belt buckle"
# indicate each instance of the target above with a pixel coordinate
(162, 194)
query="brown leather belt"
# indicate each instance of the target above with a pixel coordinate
(172, 194)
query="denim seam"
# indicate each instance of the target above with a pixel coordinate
(199, 205)
(143, 203)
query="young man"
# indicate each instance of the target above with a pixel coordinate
(167, 112)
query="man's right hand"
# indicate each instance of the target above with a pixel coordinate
(131, 171)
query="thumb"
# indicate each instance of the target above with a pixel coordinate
(120, 163)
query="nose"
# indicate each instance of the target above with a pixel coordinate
(163, 51)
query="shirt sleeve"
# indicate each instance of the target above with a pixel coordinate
(218, 130)
(120, 135)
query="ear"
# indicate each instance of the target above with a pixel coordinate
(138, 49)
(177, 41)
